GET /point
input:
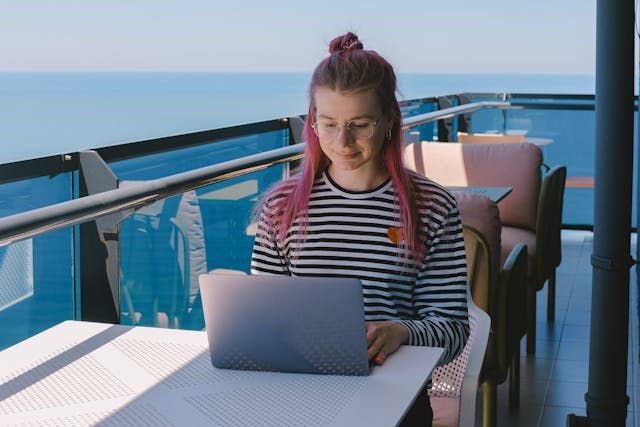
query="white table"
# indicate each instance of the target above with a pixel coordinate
(82, 373)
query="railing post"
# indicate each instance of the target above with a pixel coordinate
(99, 247)
(445, 126)
(464, 120)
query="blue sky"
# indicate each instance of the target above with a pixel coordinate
(443, 36)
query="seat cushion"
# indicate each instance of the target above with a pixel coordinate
(445, 411)
(511, 236)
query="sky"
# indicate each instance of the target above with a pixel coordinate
(428, 36)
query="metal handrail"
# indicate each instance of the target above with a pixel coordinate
(447, 113)
(72, 212)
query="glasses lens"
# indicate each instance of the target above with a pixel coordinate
(326, 130)
(361, 129)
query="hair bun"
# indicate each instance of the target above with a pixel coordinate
(345, 42)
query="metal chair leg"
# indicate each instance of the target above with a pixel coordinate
(514, 379)
(489, 403)
(551, 298)
(531, 319)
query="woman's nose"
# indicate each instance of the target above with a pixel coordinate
(344, 136)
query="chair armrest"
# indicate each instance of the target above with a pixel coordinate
(510, 322)
(549, 222)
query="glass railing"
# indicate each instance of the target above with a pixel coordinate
(566, 123)
(164, 246)
(37, 276)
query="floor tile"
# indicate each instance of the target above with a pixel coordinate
(570, 371)
(579, 318)
(575, 333)
(528, 416)
(531, 393)
(566, 394)
(562, 302)
(555, 416)
(548, 332)
(532, 369)
(554, 380)
(579, 303)
(564, 289)
(544, 349)
(582, 289)
(573, 350)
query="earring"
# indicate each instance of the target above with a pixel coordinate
(388, 135)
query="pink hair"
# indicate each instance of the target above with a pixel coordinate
(349, 68)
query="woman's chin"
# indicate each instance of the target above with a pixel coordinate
(347, 162)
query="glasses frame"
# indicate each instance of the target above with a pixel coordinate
(348, 127)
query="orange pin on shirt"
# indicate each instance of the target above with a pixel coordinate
(395, 235)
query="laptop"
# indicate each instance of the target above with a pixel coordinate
(285, 324)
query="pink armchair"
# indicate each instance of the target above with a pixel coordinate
(516, 165)
(500, 291)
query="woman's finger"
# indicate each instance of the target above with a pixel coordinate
(380, 357)
(372, 333)
(375, 347)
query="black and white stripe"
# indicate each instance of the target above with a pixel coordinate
(347, 236)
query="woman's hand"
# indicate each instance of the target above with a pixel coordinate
(383, 338)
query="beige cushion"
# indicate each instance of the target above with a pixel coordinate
(489, 138)
(516, 165)
(482, 214)
(445, 411)
(511, 236)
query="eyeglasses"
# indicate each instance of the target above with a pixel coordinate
(358, 129)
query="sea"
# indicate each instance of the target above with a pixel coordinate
(44, 114)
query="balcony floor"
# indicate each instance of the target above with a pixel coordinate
(554, 380)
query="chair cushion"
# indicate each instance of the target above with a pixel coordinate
(510, 237)
(489, 138)
(481, 213)
(445, 411)
(516, 165)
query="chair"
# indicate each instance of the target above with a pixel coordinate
(489, 138)
(504, 302)
(547, 247)
(549, 227)
(454, 385)
(511, 323)
(514, 165)
(454, 389)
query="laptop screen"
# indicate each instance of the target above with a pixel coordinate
(286, 324)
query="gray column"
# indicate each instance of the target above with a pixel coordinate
(606, 397)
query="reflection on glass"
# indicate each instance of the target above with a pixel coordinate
(16, 269)
(166, 246)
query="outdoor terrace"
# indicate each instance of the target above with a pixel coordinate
(554, 380)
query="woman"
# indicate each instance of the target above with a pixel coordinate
(355, 211)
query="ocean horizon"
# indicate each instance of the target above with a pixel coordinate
(49, 113)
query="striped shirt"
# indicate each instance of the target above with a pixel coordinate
(349, 234)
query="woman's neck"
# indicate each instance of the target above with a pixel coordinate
(359, 179)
